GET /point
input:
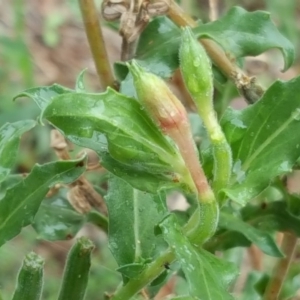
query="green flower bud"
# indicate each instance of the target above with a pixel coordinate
(76, 272)
(162, 105)
(197, 74)
(30, 278)
(196, 70)
(170, 115)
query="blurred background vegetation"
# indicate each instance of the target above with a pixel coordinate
(43, 42)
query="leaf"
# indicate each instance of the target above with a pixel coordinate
(272, 216)
(43, 95)
(132, 217)
(264, 138)
(79, 85)
(56, 219)
(10, 181)
(158, 47)
(243, 33)
(262, 239)
(239, 32)
(10, 134)
(224, 240)
(185, 298)
(131, 270)
(208, 276)
(21, 202)
(128, 142)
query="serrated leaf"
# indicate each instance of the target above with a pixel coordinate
(243, 33)
(56, 219)
(43, 95)
(132, 217)
(21, 202)
(264, 138)
(208, 276)
(239, 32)
(260, 238)
(10, 134)
(117, 128)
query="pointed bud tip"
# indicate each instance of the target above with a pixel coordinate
(134, 68)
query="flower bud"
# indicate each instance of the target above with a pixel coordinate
(163, 106)
(169, 113)
(196, 70)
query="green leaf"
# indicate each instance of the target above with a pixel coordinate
(208, 276)
(79, 85)
(224, 240)
(10, 181)
(43, 95)
(21, 202)
(119, 130)
(185, 298)
(158, 47)
(132, 217)
(272, 216)
(243, 33)
(264, 138)
(56, 219)
(240, 33)
(10, 134)
(131, 270)
(262, 239)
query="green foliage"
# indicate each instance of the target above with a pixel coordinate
(208, 276)
(9, 144)
(21, 201)
(131, 238)
(120, 131)
(240, 33)
(142, 165)
(264, 139)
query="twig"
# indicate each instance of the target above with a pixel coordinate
(213, 10)
(96, 42)
(246, 85)
(255, 256)
(281, 268)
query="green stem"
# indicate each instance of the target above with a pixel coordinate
(207, 215)
(280, 271)
(221, 150)
(76, 271)
(147, 276)
(30, 278)
(96, 41)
